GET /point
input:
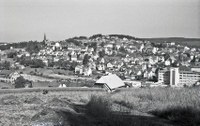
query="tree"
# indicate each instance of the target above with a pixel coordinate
(36, 63)
(73, 41)
(193, 60)
(102, 44)
(86, 59)
(62, 64)
(34, 47)
(20, 82)
(102, 53)
(96, 36)
(12, 54)
(122, 49)
(5, 65)
(94, 46)
(114, 47)
(73, 65)
(166, 56)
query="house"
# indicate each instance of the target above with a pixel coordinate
(57, 46)
(109, 65)
(56, 59)
(79, 69)
(87, 71)
(73, 57)
(4, 75)
(92, 65)
(110, 82)
(139, 73)
(62, 86)
(108, 46)
(168, 62)
(13, 76)
(149, 74)
(102, 60)
(133, 83)
(144, 66)
(100, 67)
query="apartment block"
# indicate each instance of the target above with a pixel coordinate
(176, 78)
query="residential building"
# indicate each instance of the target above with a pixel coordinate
(174, 76)
(163, 76)
(178, 78)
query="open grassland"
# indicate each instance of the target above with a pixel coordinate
(127, 107)
(176, 106)
(17, 109)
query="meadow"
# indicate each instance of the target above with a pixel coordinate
(176, 106)
(133, 107)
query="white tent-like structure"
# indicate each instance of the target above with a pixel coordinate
(110, 82)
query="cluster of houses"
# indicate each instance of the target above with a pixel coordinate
(130, 59)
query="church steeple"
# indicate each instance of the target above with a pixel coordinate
(45, 38)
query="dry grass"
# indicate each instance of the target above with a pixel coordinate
(17, 109)
(179, 106)
(133, 107)
(159, 98)
(101, 108)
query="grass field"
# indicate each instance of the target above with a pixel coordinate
(133, 107)
(17, 109)
(176, 106)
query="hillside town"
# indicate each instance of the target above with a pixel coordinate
(81, 61)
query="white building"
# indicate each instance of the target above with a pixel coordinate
(177, 78)
(174, 76)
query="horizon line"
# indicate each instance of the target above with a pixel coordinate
(162, 37)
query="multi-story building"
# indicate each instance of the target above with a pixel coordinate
(189, 78)
(174, 76)
(163, 76)
(177, 78)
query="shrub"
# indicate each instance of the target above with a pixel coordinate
(20, 82)
(99, 106)
(185, 116)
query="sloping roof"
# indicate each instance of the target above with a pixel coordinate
(112, 81)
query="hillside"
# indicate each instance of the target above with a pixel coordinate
(193, 42)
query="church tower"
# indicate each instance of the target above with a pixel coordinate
(45, 38)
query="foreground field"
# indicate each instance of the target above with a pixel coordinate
(133, 107)
(17, 109)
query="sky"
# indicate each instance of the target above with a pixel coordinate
(23, 20)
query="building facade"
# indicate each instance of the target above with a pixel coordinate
(176, 78)
(163, 76)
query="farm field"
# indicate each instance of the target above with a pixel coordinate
(133, 107)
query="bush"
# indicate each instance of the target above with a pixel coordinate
(99, 106)
(20, 82)
(185, 116)
(5, 65)
(12, 54)
(34, 63)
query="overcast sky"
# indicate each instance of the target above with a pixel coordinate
(60, 19)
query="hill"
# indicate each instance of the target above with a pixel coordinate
(192, 42)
